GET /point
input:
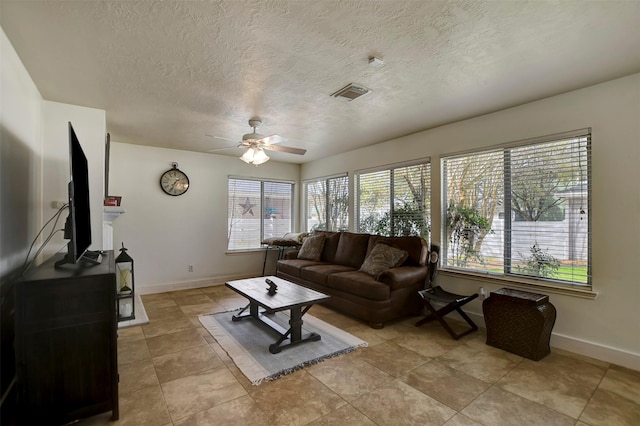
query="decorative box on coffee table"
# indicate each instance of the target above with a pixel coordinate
(519, 322)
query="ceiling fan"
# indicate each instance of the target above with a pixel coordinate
(256, 144)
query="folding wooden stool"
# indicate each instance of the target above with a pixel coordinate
(453, 301)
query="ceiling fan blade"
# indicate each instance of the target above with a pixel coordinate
(220, 137)
(273, 139)
(287, 149)
(223, 149)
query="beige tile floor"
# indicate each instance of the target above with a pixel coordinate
(172, 372)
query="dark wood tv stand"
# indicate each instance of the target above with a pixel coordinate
(66, 342)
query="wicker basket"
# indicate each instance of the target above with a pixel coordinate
(519, 322)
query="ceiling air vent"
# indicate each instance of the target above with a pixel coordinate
(351, 92)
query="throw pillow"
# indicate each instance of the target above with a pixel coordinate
(383, 257)
(312, 248)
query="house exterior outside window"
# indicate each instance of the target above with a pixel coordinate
(520, 210)
(256, 210)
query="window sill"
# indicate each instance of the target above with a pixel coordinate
(524, 284)
(244, 251)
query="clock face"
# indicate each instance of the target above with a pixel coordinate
(174, 182)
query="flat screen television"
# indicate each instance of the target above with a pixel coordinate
(77, 228)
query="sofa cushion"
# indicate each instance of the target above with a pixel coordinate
(352, 249)
(330, 245)
(403, 276)
(383, 257)
(294, 266)
(318, 273)
(312, 248)
(415, 246)
(359, 284)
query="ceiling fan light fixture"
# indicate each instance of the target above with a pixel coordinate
(248, 156)
(260, 157)
(255, 156)
(256, 143)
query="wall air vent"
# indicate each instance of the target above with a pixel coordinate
(351, 92)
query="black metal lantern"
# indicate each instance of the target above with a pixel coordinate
(125, 286)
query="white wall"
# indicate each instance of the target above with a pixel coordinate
(20, 158)
(89, 125)
(34, 161)
(30, 162)
(607, 327)
(165, 234)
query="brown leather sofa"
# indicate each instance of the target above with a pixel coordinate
(393, 294)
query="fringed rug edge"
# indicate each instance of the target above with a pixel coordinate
(251, 368)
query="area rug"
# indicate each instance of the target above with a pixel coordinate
(247, 343)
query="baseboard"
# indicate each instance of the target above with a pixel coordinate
(597, 351)
(188, 285)
(581, 347)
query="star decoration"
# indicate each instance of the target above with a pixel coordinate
(247, 207)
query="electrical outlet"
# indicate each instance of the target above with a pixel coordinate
(190, 268)
(57, 204)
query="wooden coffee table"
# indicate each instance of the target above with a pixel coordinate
(296, 298)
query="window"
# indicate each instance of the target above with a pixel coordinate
(257, 210)
(395, 201)
(521, 209)
(327, 204)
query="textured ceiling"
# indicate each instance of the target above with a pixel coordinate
(176, 73)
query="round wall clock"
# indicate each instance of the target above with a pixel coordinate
(174, 181)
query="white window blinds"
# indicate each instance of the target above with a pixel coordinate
(327, 204)
(521, 209)
(395, 201)
(257, 210)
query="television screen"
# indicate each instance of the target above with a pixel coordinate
(78, 225)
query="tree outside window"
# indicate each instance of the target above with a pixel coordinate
(520, 210)
(327, 204)
(395, 202)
